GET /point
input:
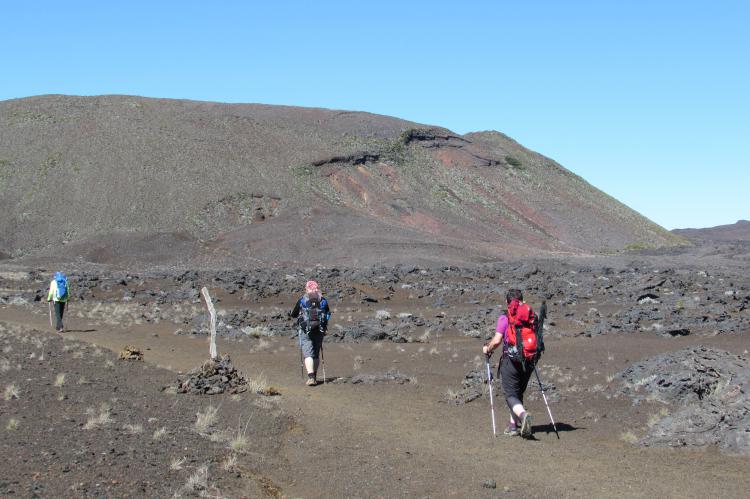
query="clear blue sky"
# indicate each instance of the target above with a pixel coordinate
(647, 100)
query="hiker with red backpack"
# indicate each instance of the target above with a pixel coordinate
(516, 331)
(312, 314)
(58, 295)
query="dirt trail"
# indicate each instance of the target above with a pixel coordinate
(389, 440)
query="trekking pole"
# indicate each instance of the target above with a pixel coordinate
(541, 387)
(323, 361)
(301, 356)
(492, 401)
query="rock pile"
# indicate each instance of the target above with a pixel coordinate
(712, 387)
(472, 388)
(213, 377)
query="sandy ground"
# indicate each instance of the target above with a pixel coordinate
(393, 440)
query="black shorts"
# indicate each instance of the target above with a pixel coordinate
(514, 379)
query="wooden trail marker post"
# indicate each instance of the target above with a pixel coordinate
(212, 313)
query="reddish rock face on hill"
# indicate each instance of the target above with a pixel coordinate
(129, 179)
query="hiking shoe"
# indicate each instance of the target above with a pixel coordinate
(311, 382)
(511, 430)
(526, 425)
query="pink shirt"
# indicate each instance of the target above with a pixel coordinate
(502, 326)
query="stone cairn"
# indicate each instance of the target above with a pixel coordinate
(213, 377)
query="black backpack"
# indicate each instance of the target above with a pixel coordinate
(312, 312)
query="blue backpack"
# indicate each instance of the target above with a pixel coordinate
(62, 286)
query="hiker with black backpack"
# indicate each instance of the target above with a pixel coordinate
(312, 314)
(58, 295)
(518, 358)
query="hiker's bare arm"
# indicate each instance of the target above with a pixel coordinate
(493, 344)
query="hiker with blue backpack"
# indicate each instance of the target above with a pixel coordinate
(58, 295)
(312, 314)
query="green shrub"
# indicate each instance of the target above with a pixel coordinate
(515, 163)
(637, 246)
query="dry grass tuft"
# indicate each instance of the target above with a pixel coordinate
(655, 418)
(258, 384)
(628, 437)
(257, 331)
(170, 390)
(358, 361)
(11, 392)
(176, 463)
(59, 380)
(205, 420)
(263, 403)
(230, 463)
(133, 429)
(239, 441)
(12, 424)
(159, 434)
(451, 394)
(220, 436)
(198, 481)
(102, 418)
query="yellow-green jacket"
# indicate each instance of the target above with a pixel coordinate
(53, 291)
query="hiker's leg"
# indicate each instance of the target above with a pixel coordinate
(310, 365)
(317, 340)
(500, 377)
(307, 352)
(511, 382)
(524, 382)
(59, 309)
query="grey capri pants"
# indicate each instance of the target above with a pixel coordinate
(311, 343)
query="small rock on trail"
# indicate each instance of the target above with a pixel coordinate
(130, 352)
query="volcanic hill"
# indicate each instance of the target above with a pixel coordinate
(130, 179)
(739, 231)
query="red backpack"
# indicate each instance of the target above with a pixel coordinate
(521, 323)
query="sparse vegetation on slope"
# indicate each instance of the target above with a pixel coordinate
(173, 181)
